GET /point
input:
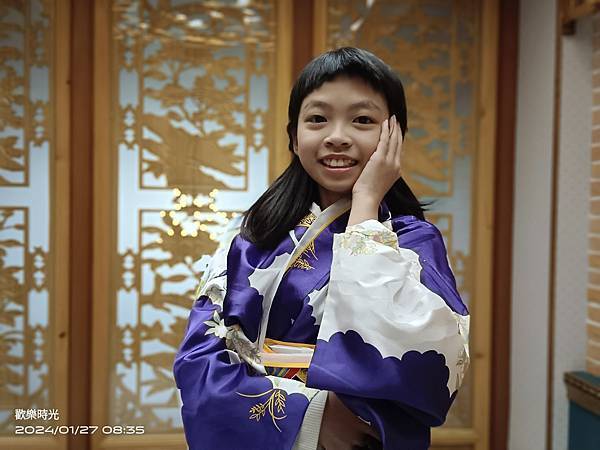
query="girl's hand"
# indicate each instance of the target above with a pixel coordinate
(384, 167)
(342, 430)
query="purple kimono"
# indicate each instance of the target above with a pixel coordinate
(377, 301)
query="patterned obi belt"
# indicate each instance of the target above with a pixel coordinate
(286, 359)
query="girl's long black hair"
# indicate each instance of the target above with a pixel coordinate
(289, 198)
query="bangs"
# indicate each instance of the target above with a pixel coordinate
(351, 62)
(346, 61)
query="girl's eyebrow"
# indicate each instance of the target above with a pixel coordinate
(366, 104)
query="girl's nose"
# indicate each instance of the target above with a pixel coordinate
(337, 138)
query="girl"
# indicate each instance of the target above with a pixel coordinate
(331, 319)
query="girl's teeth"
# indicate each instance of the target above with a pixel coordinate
(339, 163)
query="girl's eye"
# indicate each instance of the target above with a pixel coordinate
(364, 120)
(316, 119)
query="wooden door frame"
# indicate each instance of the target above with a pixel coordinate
(80, 244)
(503, 222)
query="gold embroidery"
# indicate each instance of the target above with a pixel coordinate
(307, 220)
(302, 375)
(310, 249)
(302, 261)
(275, 401)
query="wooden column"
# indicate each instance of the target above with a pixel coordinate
(81, 219)
(503, 219)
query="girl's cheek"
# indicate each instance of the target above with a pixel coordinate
(308, 140)
(371, 144)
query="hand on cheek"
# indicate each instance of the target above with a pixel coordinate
(384, 166)
(379, 174)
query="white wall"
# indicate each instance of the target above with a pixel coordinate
(574, 167)
(532, 209)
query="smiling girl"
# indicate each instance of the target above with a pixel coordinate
(330, 318)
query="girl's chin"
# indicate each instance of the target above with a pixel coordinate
(330, 196)
(338, 188)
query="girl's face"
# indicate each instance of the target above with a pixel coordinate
(338, 130)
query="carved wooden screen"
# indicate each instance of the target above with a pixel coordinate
(33, 293)
(436, 48)
(190, 95)
(190, 100)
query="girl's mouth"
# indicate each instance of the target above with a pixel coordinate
(338, 165)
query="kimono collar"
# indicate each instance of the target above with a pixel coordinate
(384, 212)
(315, 209)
